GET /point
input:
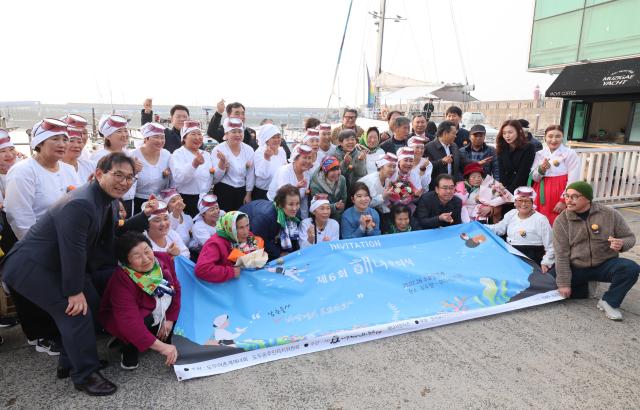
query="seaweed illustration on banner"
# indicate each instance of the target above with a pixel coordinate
(492, 295)
(458, 304)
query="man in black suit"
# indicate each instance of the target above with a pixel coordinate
(52, 266)
(172, 139)
(444, 154)
(236, 110)
(439, 208)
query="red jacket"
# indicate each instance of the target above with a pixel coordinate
(124, 305)
(213, 262)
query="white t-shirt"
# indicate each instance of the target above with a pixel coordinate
(286, 175)
(240, 172)
(86, 168)
(187, 179)
(172, 237)
(32, 189)
(266, 170)
(150, 179)
(183, 229)
(331, 231)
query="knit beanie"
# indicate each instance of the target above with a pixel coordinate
(584, 188)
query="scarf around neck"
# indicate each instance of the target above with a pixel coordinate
(147, 281)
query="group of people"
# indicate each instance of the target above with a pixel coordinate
(90, 237)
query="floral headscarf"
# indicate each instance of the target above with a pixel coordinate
(226, 226)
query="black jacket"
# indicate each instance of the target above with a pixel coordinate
(216, 131)
(75, 237)
(145, 118)
(435, 152)
(462, 138)
(172, 139)
(515, 166)
(392, 145)
(429, 209)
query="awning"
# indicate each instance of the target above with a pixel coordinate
(607, 78)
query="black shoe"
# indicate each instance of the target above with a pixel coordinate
(6, 321)
(97, 385)
(48, 346)
(129, 360)
(63, 372)
(113, 343)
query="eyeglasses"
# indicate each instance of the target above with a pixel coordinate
(52, 125)
(447, 188)
(523, 201)
(573, 197)
(120, 177)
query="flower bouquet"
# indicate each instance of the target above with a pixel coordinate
(403, 192)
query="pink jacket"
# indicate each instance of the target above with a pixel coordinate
(124, 305)
(213, 264)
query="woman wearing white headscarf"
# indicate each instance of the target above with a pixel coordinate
(205, 222)
(267, 159)
(37, 182)
(155, 173)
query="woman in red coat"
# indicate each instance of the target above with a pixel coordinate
(141, 302)
(216, 262)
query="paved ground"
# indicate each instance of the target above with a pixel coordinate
(563, 355)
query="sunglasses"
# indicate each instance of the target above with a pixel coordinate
(52, 125)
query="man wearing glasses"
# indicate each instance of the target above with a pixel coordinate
(587, 238)
(438, 208)
(53, 268)
(348, 123)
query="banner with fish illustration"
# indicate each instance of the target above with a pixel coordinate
(340, 293)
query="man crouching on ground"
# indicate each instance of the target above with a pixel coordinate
(588, 237)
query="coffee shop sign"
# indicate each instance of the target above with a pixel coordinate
(618, 78)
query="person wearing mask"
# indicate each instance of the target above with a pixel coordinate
(234, 175)
(52, 267)
(191, 168)
(444, 154)
(267, 159)
(297, 174)
(173, 136)
(233, 110)
(454, 115)
(401, 134)
(440, 207)
(155, 173)
(146, 115)
(478, 151)
(142, 301)
(348, 123)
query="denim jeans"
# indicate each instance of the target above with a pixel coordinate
(620, 272)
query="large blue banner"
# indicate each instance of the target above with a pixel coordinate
(345, 292)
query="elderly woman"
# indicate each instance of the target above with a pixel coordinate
(379, 182)
(422, 167)
(219, 254)
(36, 183)
(162, 237)
(353, 160)
(180, 222)
(142, 301)
(267, 159)
(276, 222)
(296, 174)
(205, 223)
(312, 139)
(328, 180)
(79, 122)
(8, 156)
(369, 142)
(155, 173)
(73, 155)
(553, 169)
(527, 230)
(319, 227)
(191, 167)
(234, 176)
(360, 220)
(113, 129)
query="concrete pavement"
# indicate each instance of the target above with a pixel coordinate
(562, 355)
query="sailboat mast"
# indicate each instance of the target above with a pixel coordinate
(378, 70)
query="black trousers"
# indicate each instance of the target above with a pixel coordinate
(258, 193)
(129, 207)
(190, 204)
(35, 322)
(229, 198)
(535, 253)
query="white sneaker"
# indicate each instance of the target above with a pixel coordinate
(593, 289)
(611, 313)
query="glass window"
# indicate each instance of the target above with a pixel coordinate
(579, 121)
(594, 2)
(634, 135)
(548, 8)
(555, 40)
(610, 30)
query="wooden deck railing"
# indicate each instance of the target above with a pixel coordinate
(614, 173)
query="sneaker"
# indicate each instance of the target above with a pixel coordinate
(611, 313)
(47, 346)
(593, 289)
(6, 321)
(32, 342)
(129, 360)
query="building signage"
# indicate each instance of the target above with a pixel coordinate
(620, 77)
